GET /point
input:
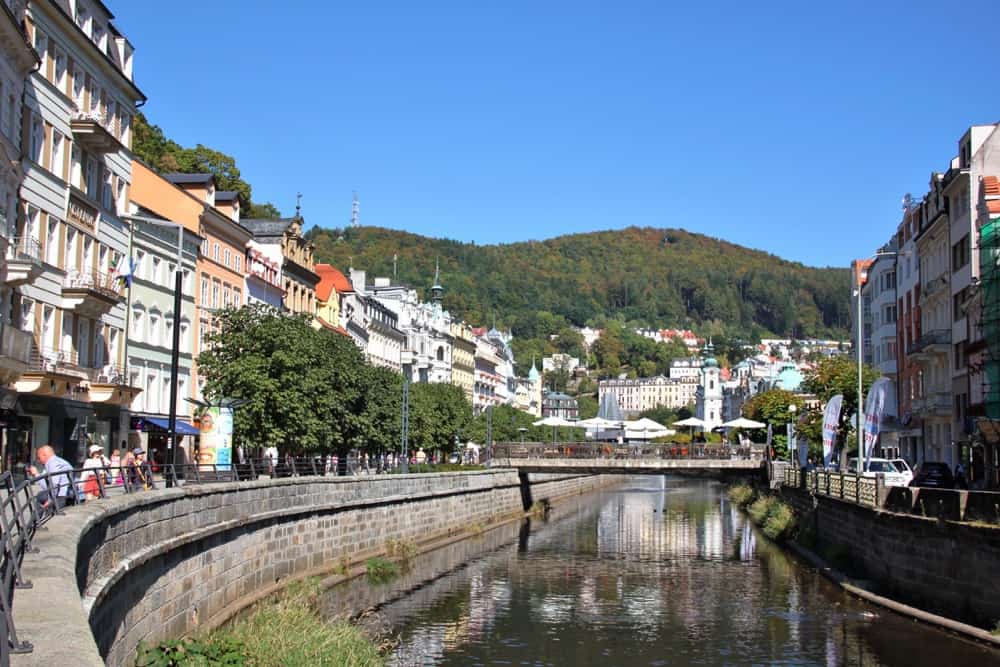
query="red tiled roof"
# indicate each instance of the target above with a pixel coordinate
(341, 330)
(993, 206)
(991, 184)
(330, 279)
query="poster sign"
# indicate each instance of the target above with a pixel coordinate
(874, 407)
(216, 445)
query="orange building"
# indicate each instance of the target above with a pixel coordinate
(192, 200)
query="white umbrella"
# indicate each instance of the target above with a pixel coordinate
(646, 428)
(596, 422)
(554, 422)
(691, 421)
(742, 422)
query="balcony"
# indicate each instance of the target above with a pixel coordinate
(15, 352)
(932, 287)
(91, 131)
(112, 384)
(52, 373)
(24, 261)
(936, 403)
(932, 343)
(91, 294)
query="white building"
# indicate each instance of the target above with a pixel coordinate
(708, 401)
(78, 110)
(263, 279)
(638, 395)
(685, 369)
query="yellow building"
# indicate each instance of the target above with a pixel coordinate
(463, 358)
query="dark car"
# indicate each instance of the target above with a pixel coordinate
(933, 474)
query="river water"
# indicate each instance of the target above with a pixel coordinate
(660, 571)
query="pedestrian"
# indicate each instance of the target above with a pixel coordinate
(57, 491)
(116, 467)
(94, 477)
(140, 471)
(960, 480)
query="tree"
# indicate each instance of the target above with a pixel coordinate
(771, 407)
(438, 413)
(839, 375)
(382, 412)
(303, 387)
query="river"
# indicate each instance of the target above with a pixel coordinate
(660, 571)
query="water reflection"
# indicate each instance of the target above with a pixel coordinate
(652, 574)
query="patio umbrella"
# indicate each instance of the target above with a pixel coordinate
(742, 422)
(554, 422)
(692, 422)
(647, 427)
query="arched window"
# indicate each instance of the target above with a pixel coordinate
(440, 354)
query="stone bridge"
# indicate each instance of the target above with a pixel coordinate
(610, 458)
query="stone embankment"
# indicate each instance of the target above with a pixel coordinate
(164, 564)
(937, 563)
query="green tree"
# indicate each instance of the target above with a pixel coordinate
(438, 413)
(839, 375)
(771, 407)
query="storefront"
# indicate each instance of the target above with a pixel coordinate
(63, 423)
(149, 432)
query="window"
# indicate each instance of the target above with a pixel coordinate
(52, 242)
(165, 394)
(155, 274)
(185, 282)
(184, 344)
(41, 46)
(60, 74)
(226, 257)
(237, 297)
(107, 191)
(215, 294)
(34, 223)
(27, 315)
(168, 340)
(204, 291)
(204, 248)
(960, 254)
(138, 324)
(91, 184)
(56, 154)
(121, 204)
(226, 295)
(71, 245)
(215, 252)
(126, 125)
(239, 264)
(37, 139)
(154, 328)
(79, 78)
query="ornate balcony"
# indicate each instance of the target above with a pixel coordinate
(90, 294)
(15, 352)
(112, 384)
(92, 131)
(24, 261)
(52, 373)
(931, 344)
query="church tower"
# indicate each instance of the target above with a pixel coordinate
(708, 405)
(437, 292)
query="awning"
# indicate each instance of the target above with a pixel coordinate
(183, 428)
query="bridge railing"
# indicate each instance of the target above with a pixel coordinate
(631, 452)
(861, 489)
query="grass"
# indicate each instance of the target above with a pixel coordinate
(741, 494)
(775, 518)
(380, 570)
(284, 631)
(400, 548)
(540, 508)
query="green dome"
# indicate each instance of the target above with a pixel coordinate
(789, 379)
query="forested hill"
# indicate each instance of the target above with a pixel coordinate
(655, 277)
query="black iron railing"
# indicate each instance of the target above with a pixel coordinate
(612, 451)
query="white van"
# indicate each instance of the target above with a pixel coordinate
(892, 475)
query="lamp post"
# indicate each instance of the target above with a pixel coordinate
(522, 431)
(791, 431)
(175, 344)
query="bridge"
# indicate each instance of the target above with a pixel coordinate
(611, 458)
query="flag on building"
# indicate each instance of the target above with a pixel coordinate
(831, 418)
(125, 270)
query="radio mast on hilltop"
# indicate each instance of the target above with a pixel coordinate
(355, 211)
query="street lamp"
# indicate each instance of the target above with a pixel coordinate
(791, 431)
(522, 431)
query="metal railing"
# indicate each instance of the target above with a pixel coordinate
(937, 337)
(15, 343)
(47, 360)
(27, 504)
(24, 249)
(92, 280)
(862, 490)
(612, 451)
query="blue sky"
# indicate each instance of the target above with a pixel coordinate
(793, 127)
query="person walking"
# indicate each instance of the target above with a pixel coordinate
(94, 477)
(57, 491)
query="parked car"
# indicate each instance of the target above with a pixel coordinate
(891, 475)
(904, 469)
(933, 474)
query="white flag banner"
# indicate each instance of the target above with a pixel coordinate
(874, 407)
(831, 418)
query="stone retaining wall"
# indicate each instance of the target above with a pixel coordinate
(163, 564)
(942, 566)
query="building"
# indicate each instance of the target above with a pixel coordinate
(560, 362)
(879, 293)
(264, 284)
(637, 395)
(908, 371)
(77, 115)
(220, 272)
(332, 283)
(978, 156)
(151, 327)
(297, 262)
(708, 401)
(385, 340)
(556, 404)
(685, 369)
(859, 274)
(426, 354)
(932, 348)
(486, 377)
(463, 359)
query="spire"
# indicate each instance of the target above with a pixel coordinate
(298, 205)
(437, 292)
